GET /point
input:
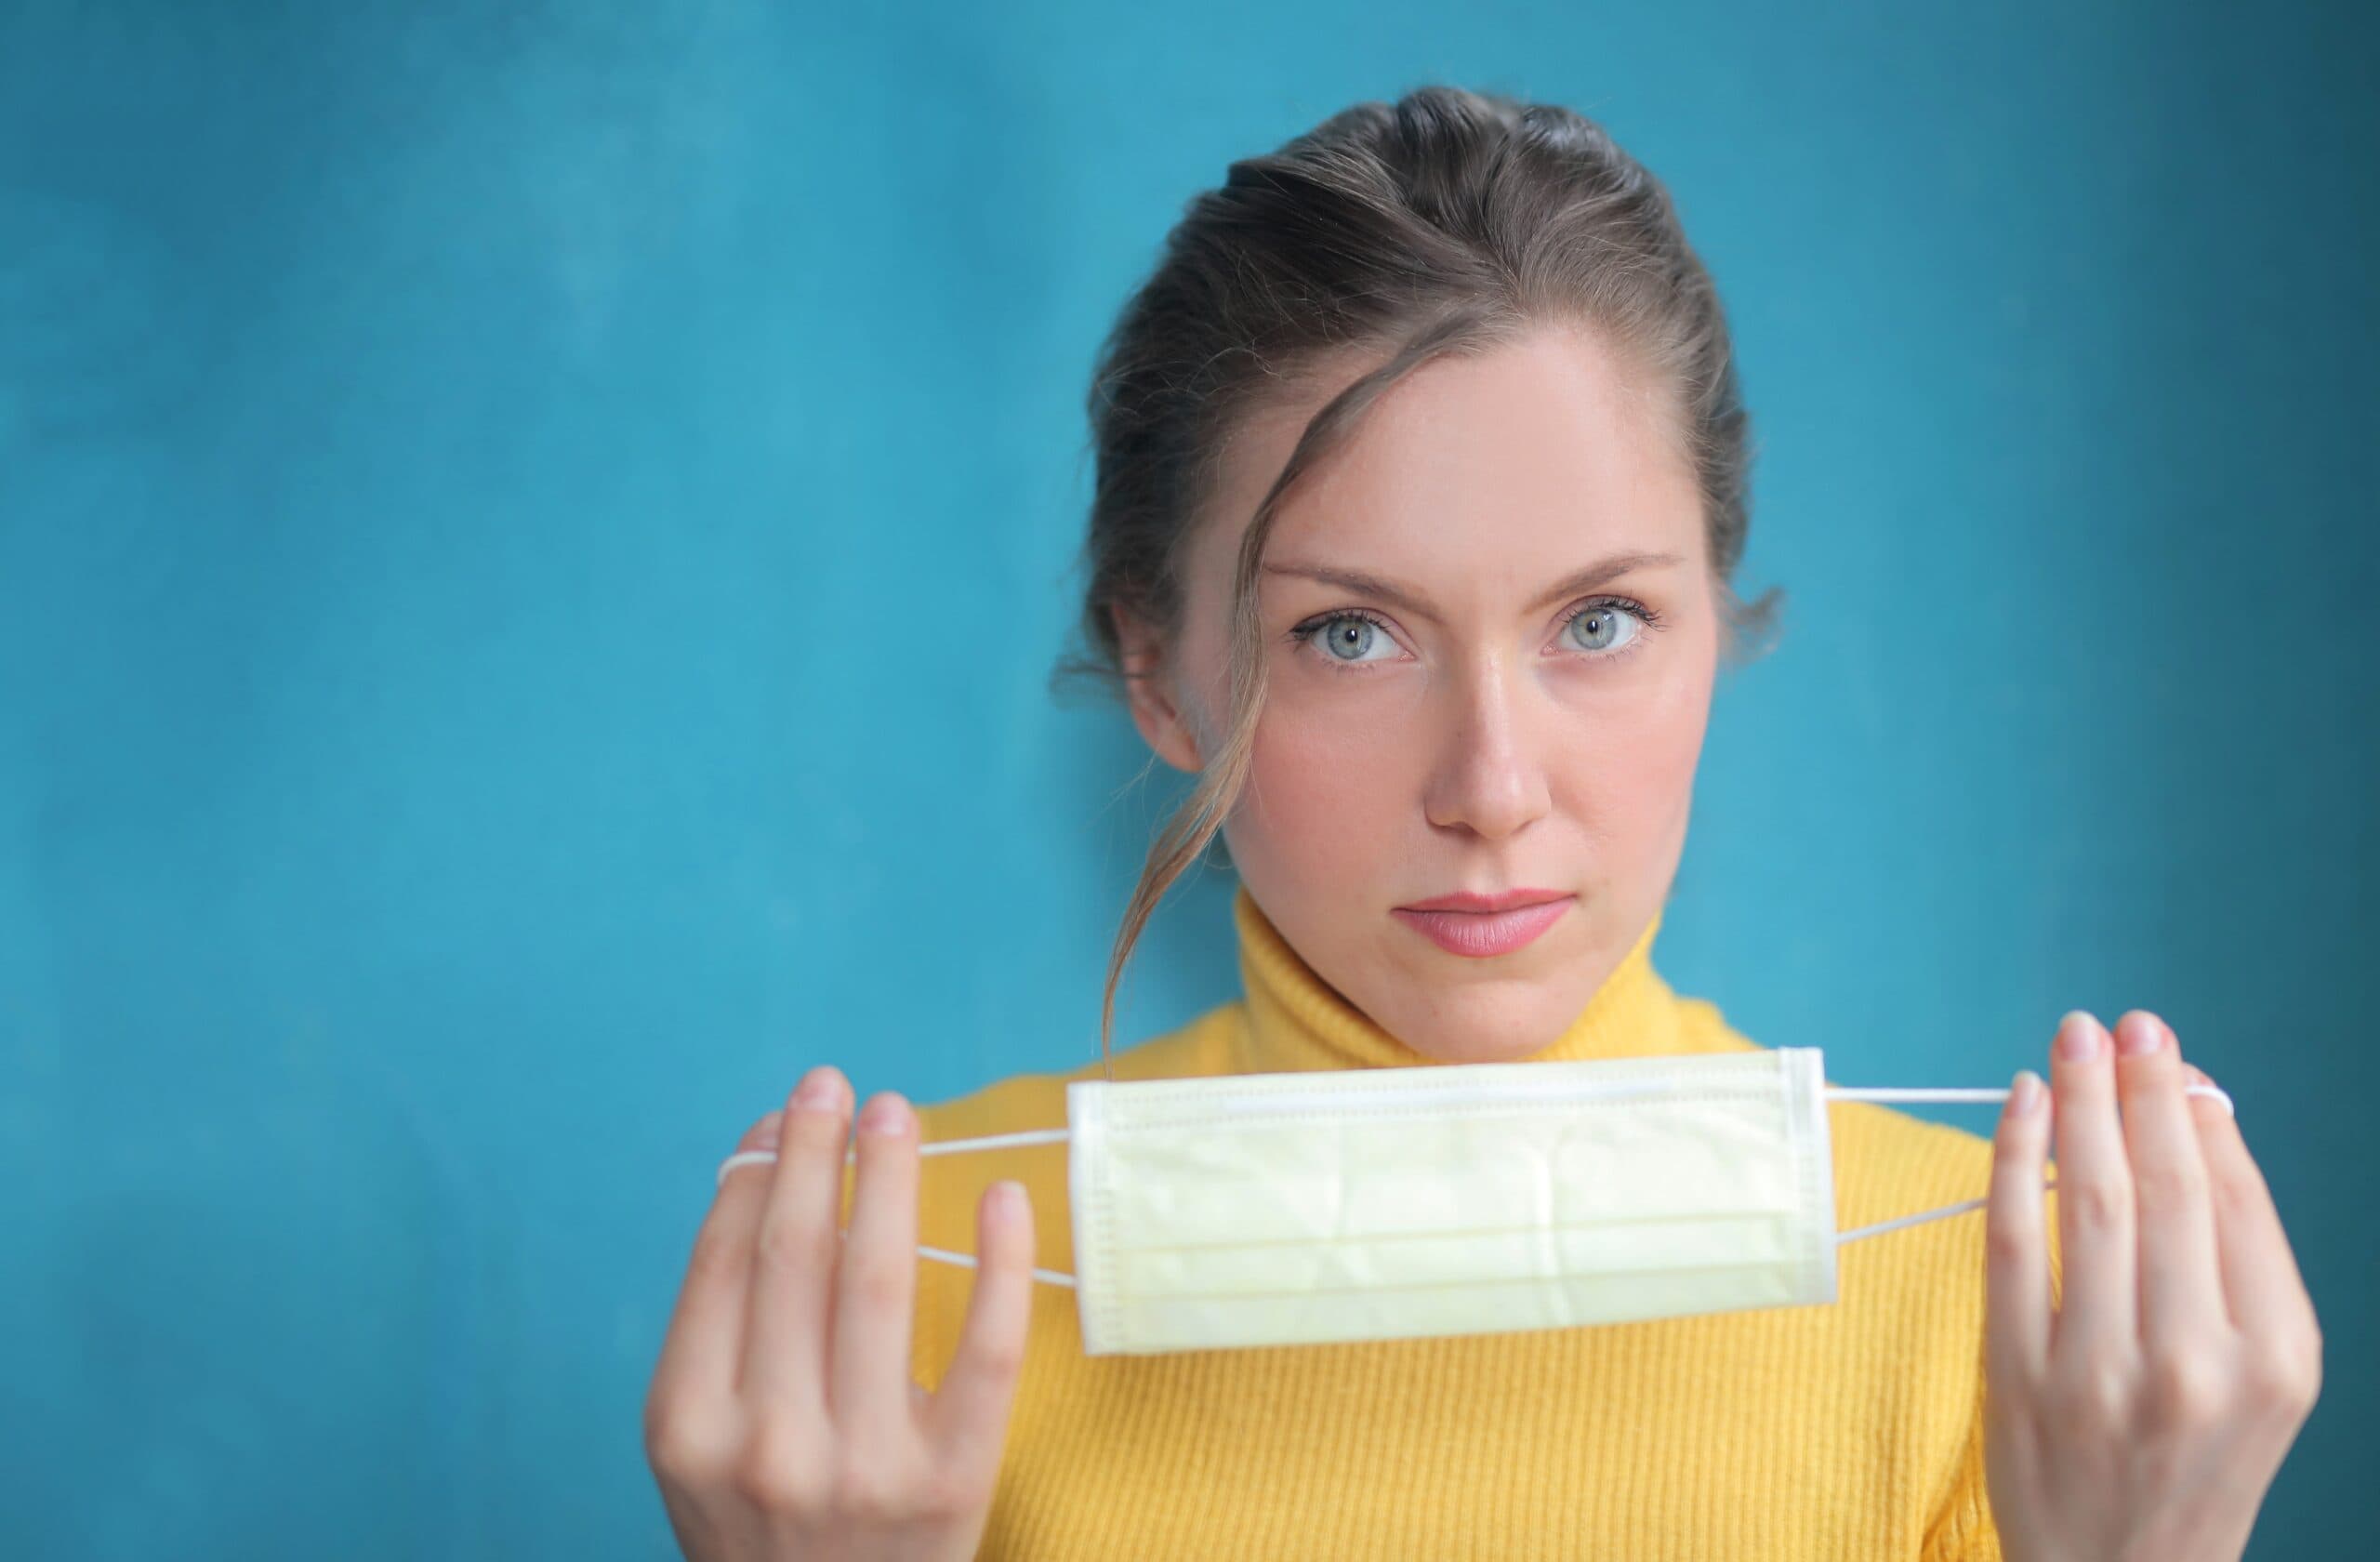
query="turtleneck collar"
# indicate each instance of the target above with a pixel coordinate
(1297, 1021)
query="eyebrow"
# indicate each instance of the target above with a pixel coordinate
(1412, 600)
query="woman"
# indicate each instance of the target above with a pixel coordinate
(1422, 482)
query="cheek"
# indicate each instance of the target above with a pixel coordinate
(1630, 770)
(1328, 782)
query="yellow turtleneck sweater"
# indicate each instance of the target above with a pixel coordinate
(1848, 1430)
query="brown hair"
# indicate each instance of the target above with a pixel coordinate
(1444, 223)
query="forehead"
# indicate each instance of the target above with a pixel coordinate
(1515, 462)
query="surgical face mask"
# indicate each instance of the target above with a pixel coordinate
(1368, 1204)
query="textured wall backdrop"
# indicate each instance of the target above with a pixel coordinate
(531, 537)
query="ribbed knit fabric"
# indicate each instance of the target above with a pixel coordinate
(1807, 1434)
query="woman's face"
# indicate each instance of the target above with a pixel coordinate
(1480, 717)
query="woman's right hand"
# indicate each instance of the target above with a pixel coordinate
(782, 1420)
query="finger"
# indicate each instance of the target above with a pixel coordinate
(2095, 1214)
(793, 1270)
(705, 1343)
(2017, 1299)
(868, 1370)
(2261, 1283)
(2181, 1285)
(969, 1411)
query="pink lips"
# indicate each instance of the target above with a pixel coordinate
(1500, 925)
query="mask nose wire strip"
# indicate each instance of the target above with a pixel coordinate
(1834, 1093)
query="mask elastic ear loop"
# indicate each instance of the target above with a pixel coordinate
(1890, 1092)
(938, 1147)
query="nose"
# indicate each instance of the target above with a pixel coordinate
(1489, 772)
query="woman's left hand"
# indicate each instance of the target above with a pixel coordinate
(2148, 1414)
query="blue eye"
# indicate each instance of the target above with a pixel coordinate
(1605, 618)
(1611, 626)
(1351, 634)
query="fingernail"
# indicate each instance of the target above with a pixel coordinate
(2025, 1093)
(1008, 1202)
(816, 1090)
(886, 1114)
(2138, 1035)
(2078, 1036)
(762, 1135)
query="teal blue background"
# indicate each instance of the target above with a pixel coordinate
(530, 541)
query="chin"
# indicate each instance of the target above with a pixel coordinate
(1487, 1037)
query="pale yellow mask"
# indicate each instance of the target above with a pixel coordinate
(1365, 1204)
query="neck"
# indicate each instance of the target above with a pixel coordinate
(1298, 1021)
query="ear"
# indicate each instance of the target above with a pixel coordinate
(1148, 680)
